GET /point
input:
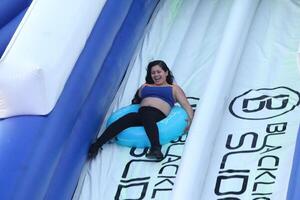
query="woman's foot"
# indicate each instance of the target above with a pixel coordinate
(155, 153)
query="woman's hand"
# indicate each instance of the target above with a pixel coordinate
(187, 128)
(182, 100)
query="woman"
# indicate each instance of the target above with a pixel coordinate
(156, 98)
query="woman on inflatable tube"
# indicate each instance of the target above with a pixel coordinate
(156, 98)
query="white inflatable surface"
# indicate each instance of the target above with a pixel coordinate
(240, 59)
(42, 53)
(202, 133)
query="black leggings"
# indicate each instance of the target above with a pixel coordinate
(146, 116)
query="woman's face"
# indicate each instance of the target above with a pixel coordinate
(158, 75)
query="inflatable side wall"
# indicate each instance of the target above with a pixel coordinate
(9, 9)
(11, 13)
(100, 97)
(41, 156)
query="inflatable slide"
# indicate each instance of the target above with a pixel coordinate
(67, 65)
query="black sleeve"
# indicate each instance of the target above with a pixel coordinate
(136, 99)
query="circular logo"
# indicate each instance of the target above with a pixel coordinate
(264, 103)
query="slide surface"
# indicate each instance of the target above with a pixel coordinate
(230, 57)
(233, 56)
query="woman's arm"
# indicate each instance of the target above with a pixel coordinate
(182, 100)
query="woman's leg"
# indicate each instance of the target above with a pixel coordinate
(129, 120)
(149, 117)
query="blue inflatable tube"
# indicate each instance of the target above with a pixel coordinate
(294, 185)
(94, 110)
(170, 128)
(11, 8)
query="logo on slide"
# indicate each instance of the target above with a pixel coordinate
(142, 179)
(264, 103)
(262, 155)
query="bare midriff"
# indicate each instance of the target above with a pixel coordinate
(157, 103)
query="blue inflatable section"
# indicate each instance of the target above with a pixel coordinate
(11, 8)
(11, 14)
(41, 156)
(294, 185)
(18, 139)
(94, 110)
(8, 30)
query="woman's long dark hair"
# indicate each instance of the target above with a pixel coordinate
(163, 65)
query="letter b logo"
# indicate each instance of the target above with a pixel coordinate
(264, 103)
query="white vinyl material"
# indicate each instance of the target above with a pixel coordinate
(259, 165)
(204, 129)
(298, 57)
(240, 59)
(42, 53)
